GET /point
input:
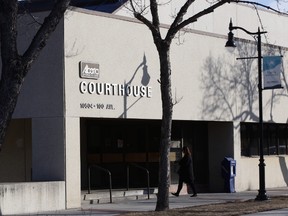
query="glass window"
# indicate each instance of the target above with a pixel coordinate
(271, 140)
(283, 139)
(275, 139)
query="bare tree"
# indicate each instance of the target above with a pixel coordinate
(162, 44)
(163, 47)
(15, 66)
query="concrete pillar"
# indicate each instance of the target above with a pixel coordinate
(73, 164)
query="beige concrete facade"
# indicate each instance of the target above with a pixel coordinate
(199, 51)
(28, 197)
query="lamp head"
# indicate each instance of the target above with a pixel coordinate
(230, 42)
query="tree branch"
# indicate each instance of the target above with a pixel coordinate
(153, 26)
(175, 28)
(181, 13)
(48, 26)
(8, 29)
(154, 12)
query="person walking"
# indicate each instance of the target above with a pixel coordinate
(185, 172)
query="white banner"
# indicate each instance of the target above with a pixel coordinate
(272, 68)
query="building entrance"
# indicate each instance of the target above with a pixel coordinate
(116, 144)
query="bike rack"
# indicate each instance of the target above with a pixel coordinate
(104, 170)
(147, 174)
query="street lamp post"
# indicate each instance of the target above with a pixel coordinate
(230, 43)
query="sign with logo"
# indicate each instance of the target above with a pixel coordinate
(89, 70)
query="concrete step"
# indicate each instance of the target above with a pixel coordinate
(101, 196)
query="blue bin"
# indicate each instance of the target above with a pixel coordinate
(228, 171)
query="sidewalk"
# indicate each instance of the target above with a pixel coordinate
(124, 206)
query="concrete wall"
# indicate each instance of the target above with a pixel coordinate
(48, 150)
(24, 198)
(42, 93)
(275, 172)
(17, 152)
(247, 168)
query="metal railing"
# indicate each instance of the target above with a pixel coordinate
(104, 170)
(142, 168)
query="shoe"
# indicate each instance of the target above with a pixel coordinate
(193, 195)
(175, 194)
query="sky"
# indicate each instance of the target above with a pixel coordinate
(283, 4)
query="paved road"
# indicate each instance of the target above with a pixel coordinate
(280, 212)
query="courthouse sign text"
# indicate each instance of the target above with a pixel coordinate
(115, 89)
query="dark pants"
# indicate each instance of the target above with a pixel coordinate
(189, 182)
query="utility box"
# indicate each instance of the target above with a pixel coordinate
(228, 171)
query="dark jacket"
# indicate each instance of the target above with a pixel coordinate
(186, 169)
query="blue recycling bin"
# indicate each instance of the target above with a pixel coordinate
(228, 170)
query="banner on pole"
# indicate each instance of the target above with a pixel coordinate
(272, 67)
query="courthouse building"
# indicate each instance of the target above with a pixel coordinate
(93, 97)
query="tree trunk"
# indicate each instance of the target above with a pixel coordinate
(167, 109)
(14, 66)
(10, 84)
(163, 47)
